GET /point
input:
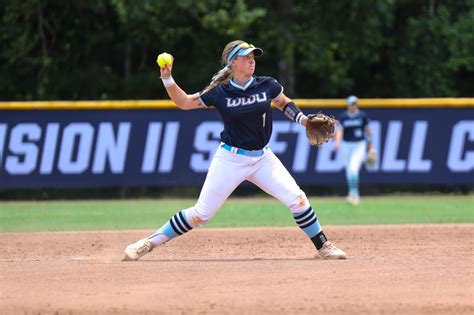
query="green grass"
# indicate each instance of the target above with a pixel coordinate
(236, 212)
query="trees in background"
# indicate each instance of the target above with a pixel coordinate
(106, 49)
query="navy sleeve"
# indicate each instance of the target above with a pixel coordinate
(365, 120)
(275, 88)
(341, 118)
(210, 97)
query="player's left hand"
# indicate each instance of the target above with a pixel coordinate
(320, 128)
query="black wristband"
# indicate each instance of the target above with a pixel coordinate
(293, 112)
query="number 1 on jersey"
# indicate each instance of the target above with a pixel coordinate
(263, 116)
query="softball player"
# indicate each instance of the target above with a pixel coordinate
(356, 141)
(244, 103)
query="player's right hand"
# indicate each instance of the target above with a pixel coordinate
(165, 72)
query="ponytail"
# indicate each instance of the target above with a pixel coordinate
(223, 76)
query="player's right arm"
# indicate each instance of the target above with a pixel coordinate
(177, 95)
(338, 138)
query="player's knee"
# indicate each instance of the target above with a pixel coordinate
(195, 217)
(299, 204)
(352, 170)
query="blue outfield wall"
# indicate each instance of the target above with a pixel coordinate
(165, 147)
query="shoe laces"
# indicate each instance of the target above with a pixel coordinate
(143, 249)
(330, 246)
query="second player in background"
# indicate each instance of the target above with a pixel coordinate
(354, 138)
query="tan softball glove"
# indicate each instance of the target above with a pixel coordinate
(320, 128)
(371, 158)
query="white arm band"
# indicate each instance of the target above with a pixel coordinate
(299, 118)
(169, 81)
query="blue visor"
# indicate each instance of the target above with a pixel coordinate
(244, 49)
(352, 100)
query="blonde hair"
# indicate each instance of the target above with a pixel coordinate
(225, 74)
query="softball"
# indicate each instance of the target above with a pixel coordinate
(164, 59)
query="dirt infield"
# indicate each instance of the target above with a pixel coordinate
(391, 269)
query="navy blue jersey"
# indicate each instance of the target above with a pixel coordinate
(245, 111)
(354, 125)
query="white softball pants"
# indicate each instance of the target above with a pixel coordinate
(228, 170)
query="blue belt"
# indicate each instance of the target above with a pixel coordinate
(244, 152)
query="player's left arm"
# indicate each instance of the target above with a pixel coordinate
(319, 127)
(290, 109)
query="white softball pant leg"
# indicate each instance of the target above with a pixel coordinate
(273, 178)
(354, 154)
(225, 173)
